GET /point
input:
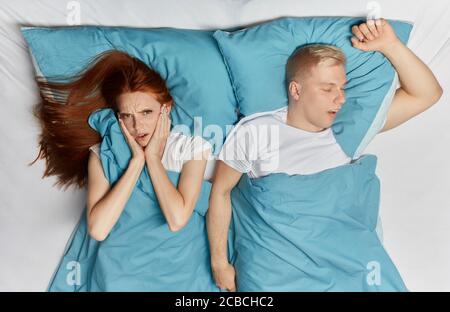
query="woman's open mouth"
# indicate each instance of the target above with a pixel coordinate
(142, 136)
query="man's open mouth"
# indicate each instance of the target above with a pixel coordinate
(332, 112)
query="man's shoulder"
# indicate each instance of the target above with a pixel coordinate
(260, 118)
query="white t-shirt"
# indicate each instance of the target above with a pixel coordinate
(178, 150)
(266, 144)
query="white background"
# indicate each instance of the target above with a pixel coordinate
(36, 218)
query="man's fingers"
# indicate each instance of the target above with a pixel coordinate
(226, 284)
(231, 288)
(222, 287)
(365, 30)
(372, 28)
(379, 23)
(357, 44)
(357, 33)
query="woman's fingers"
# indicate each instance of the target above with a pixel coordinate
(157, 132)
(130, 139)
(132, 144)
(167, 128)
(165, 122)
(169, 122)
(163, 125)
(124, 130)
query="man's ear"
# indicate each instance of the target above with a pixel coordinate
(294, 89)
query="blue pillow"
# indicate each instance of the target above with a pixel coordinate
(256, 59)
(189, 61)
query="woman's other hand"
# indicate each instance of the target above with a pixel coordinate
(157, 143)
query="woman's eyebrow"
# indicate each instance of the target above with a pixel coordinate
(144, 110)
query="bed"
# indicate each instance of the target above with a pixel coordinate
(36, 218)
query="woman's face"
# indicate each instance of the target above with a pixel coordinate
(139, 112)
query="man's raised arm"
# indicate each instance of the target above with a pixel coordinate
(419, 88)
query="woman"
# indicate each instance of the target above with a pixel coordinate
(139, 232)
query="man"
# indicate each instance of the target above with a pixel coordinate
(316, 80)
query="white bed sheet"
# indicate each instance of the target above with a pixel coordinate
(36, 219)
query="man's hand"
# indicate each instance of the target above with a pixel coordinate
(419, 89)
(225, 275)
(218, 221)
(374, 35)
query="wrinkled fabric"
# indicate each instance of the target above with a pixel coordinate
(312, 232)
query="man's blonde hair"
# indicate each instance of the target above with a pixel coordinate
(304, 58)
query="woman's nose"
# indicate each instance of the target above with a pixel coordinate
(138, 123)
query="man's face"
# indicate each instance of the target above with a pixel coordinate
(321, 95)
(139, 112)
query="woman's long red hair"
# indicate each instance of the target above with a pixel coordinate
(66, 105)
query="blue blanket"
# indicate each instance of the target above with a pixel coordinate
(140, 253)
(311, 232)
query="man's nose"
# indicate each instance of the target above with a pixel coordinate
(340, 98)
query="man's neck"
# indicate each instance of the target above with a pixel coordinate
(295, 118)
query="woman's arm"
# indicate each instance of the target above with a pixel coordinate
(105, 204)
(177, 205)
